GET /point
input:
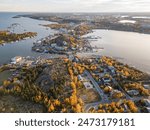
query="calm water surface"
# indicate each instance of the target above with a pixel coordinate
(129, 47)
(22, 48)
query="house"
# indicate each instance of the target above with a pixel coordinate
(80, 78)
(106, 80)
(73, 48)
(65, 43)
(16, 59)
(133, 92)
(147, 102)
(107, 84)
(75, 59)
(58, 48)
(116, 94)
(112, 70)
(147, 109)
(53, 44)
(63, 30)
(90, 60)
(146, 86)
(87, 85)
(71, 57)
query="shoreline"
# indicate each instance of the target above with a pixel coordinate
(122, 60)
(72, 83)
(7, 37)
(112, 26)
(35, 71)
(87, 33)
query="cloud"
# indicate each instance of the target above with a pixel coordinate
(76, 5)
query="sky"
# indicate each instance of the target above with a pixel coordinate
(75, 5)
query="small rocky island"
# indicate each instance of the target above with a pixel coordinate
(8, 37)
(57, 26)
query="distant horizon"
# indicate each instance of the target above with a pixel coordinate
(65, 12)
(74, 6)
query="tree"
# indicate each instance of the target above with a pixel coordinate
(51, 108)
(80, 102)
(67, 100)
(132, 106)
(73, 85)
(56, 102)
(75, 79)
(64, 110)
(107, 89)
(46, 101)
(73, 100)
(100, 106)
(78, 108)
(6, 83)
(79, 84)
(17, 89)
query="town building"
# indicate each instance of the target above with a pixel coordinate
(87, 85)
(133, 92)
(16, 59)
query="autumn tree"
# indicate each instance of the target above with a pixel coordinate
(51, 108)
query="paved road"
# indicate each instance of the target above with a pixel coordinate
(96, 86)
(88, 106)
(102, 94)
(116, 83)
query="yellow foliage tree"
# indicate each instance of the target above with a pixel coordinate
(80, 101)
(6, 83)
(51, 108)
(75, 79)
(73, 100)
(73, 85)
(56, 102)
(78, 108)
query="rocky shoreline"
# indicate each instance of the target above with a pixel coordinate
(8, 37)
(64, 84)
(98, 21)
(68, 40)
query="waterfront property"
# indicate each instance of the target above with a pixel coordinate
(16, 59)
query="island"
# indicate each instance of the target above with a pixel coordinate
(57, 26)
(8, 37)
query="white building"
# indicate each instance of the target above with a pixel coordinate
(80, 78)
(106, 80)
(146, 86)
(147, 102)
(16, 59)
(58, 48)
(148, 109)
(65, 43)
(133, 92)
(53, 44)
(87, 85)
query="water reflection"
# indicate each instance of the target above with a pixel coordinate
(133, 48)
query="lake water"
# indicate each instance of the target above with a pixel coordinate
(22, 48)
(129, 47)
